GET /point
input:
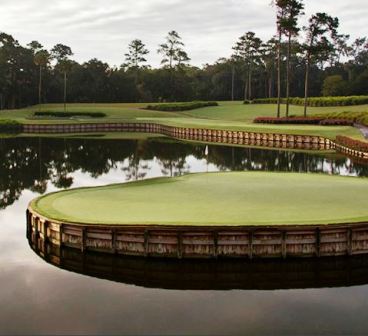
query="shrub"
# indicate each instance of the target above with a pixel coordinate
(336, 122)
(318, 101)
(295, 121)
(70, 114)
(10, 126)
(353, 117)
(177, 107)
(352, 143)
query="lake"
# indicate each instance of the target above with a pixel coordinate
(103, 294)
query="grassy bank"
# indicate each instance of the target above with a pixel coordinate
(229, 115)
(215, 199)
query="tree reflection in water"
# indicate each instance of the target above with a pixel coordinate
(30, 163)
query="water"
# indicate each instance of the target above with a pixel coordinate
(97, 294)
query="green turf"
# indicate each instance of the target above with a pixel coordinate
(237, 198)
(229, 115)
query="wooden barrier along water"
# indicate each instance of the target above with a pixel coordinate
(194, 274)
(268, 140)
(280, 241)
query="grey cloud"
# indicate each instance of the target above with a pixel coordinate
(103, 29)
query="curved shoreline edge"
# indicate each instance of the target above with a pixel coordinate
(249, 242)
(267, 140)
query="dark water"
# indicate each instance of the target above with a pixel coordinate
(98, 294)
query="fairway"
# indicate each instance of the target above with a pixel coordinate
(218, 199)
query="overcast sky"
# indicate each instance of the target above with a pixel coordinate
(209, 28)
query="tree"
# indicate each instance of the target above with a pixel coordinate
(248, 48)
(62, 53)
(172, 51)
(289, 12)
(136, 52)
(334, 86)
(41, 59)
(318, 46)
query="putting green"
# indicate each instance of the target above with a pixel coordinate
(236, 198)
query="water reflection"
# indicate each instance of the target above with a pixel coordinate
(30, 163)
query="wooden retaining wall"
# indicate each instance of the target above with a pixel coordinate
(219, 274)
(205, 242)
(270, 140)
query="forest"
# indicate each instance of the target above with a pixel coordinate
(316, 60)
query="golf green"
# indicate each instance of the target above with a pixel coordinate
(219, 199)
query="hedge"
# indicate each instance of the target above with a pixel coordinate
(11, 126)
(352, 144)
(70, 114)
(175, 107)
(316, 101)
(304, 121)
(354, 117)
(295, 120)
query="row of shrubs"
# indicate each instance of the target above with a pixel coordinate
(315, 101)
(352, 143)
(70, 114)
(304, 121)
(355, 117)
(10, 126)
(175, 107)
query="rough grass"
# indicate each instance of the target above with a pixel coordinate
(231, 115)
(238, 198)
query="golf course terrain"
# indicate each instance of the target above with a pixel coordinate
(214, 199)
(228, 115)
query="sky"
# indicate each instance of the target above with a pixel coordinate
(209, 28)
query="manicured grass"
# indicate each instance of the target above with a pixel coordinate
(229, 115)
(237, 198)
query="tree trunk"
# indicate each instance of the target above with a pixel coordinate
(250, 84)
(65, 91)
(279, 76)
(246, 89)
(288, 76)
(40, 87)
(306, 83)
(232, 82)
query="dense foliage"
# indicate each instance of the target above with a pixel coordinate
(180, 106)
(324, 63)
(316, 101)
(70, 114)
(10, 126)
(323, 120)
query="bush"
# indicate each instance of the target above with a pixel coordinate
(293, 121)
(11, 126)
(336, 122)
(176, 107)
(318, 101)
(352, 144)
(70, 114)
(319, 120)
(353, 117)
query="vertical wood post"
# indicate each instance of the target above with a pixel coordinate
(146, 242)
(250, 238)
(215, 244)
(61, 234)
(283, 242)
(113, 240)
(83, 244)
(180, 245)
(349, 237)
(318, 242)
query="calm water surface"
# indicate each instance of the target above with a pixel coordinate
(104, 295)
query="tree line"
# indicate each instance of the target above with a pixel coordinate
(297, 62)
